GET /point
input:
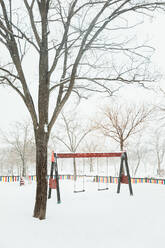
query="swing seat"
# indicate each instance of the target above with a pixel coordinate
(52, 183)
(103, 189)
(124, 179)
(79, 191)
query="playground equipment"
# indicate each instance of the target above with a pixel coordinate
(123, 178)
(100, 188)
(82, 178)
(54, 182)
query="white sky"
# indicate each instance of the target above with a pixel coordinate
(13, 109)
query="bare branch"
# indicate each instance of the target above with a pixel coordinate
(30, 11)
(121, 122)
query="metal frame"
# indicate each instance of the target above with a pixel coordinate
(83, 187)
(54, 167)
(88, 155)
(124, 160)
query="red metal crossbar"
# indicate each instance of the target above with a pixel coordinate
(88, 155)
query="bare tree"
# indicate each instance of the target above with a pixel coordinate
(91, 147)
(137, 157)
(3, 153)
(11, 163)
(137, 150)
(67, 40)
(21, 143)
(157, 144)
(121, 122)
(72, 135)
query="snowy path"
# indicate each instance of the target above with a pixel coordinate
(90, 219)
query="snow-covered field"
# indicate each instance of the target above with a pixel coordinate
(96, 219)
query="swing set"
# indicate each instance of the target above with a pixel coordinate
(54, 179)
(97, 177)
(83, 180)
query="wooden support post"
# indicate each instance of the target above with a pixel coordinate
(120, 173)
(124, 160)
(128, 175)
(57, 180)
(51, 176)
(54, 167)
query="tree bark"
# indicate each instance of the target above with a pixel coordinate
(41, 131)
(91, 164)
(41, 174)
(23, 169)
(121, 149)
(75, 169)
(121, 145)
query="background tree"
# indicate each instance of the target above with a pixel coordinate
(67, 40)
(2, 160)
(137, 152)
(72, 135)
(91, 146)
(21, 145)
(120, 122)
(157, 146)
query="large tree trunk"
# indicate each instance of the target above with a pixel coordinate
(41, 133)
(41, 175)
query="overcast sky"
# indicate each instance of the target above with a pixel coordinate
(12, 108)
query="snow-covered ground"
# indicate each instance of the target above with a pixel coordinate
(97, 219)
